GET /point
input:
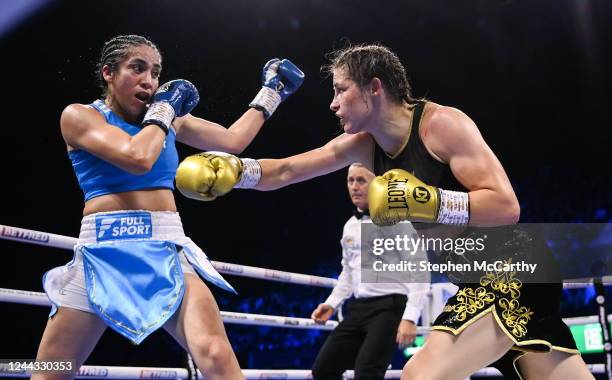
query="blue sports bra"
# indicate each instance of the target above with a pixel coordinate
(98, 177)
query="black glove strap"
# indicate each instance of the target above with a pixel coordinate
(158, 123)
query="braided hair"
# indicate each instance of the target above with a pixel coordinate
(116, 50)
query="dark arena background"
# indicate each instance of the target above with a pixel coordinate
(533, 75)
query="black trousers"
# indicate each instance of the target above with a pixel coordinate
(363, 341)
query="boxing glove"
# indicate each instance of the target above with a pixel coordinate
(280, 79)
(173, 99)
(398, 195)
(205, 176)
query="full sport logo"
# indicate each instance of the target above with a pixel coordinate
(134, 225)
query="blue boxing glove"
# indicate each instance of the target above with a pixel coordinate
(280, 79)
(173, 99)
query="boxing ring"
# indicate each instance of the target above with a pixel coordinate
(116, 372)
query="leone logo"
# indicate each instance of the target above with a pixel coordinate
(421, 194)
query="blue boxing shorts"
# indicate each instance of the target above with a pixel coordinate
(128, 268)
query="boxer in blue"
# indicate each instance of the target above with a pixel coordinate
(133, 267)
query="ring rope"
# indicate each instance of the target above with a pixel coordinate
(23, 235)
(113, 372)
(40, 299)
(116, 372)
(37, 298)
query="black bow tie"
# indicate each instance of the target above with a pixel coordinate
(359, 214)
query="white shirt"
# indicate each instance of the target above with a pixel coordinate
(349, 281)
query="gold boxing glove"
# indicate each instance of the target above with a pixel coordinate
(398, 195)
(207, 175)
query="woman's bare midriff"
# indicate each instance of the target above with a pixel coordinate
(152, 200)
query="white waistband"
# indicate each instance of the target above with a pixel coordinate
(166, 225)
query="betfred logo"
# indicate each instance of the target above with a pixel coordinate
(92, 371)
(157, 374)
(21, 234)
(133, 225)
(229, 268)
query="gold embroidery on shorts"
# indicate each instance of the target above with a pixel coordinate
(504, 282)
(471, 301)
(515, 316)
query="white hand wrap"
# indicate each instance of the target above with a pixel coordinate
(267, 100)
(160, 114)
(251, 174)
(454, 207)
